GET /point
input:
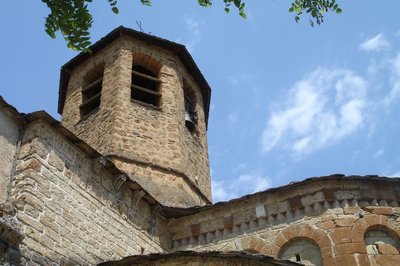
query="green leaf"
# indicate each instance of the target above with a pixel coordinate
(146, 2)
(226, 10)
(338, 10)
(115, 10)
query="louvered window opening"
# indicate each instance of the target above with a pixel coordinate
(190, 119)
(145, 86)
(91, 93)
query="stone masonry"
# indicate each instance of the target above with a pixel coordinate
(150, 143)
(70, 208)
(334, 214)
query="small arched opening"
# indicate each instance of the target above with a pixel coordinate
(302, 250)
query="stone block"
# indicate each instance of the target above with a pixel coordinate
(348, 259)
(326, 225)
(317, 235)
(280, 240)
(195, 229)
(278, 207)
(307, 231)
(313, 199)
(260, 211)
(329, 195)
(357, 233)
(350, 248)
(347, 194)
(33, 164)
(326, 253)
(295, 203)
(388, 259)
(341, 235)
(387, 249)
(228, 222)
(382, 210)
(343, 222)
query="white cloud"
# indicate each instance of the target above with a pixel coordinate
(376, 43)
(244, 184)
(379, 153)
(323, 108)
(233, 118)
(194, 27)
(239, 167)
(237, 80)
(394, 93)
(395, 174)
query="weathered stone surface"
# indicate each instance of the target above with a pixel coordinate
(9, 134)
(70, 213)
(155, 147)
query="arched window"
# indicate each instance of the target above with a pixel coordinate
(382, 245)
(91, 90)
(301, 250)
(145, 86)
(190, 107)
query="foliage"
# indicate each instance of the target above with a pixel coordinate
(73, 19)
(316, 9)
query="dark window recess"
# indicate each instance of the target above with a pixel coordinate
(190, 115)
(298, 258)
(145, 86)
(91, 92)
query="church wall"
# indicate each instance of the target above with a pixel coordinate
(9, 135)
(333, 215)
(69, 209)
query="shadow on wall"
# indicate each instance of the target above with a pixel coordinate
(9, 253)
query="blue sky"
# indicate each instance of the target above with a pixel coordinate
(289, 101)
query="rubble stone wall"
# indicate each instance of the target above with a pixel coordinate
(139, 135)
(332, 215)
(70, 211)
(9, 135)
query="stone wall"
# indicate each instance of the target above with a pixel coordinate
(9, 136)
(70, 209)
(332, 214)
(140, 136)
(213, 258)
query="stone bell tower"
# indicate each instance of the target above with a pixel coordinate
(142, 102)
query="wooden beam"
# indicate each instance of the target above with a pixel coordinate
(146, 90)
(145, 76)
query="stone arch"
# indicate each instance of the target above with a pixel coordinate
(254, 244)
(302, 231)
(145, 82)
(382, 245)
(92, 84)
(302, 250)
(190, 103)
(188, 89)
(370, 221)
(147, 62)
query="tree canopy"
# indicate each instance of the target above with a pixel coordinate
(73, 19)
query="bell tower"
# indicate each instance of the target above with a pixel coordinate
(142, 102)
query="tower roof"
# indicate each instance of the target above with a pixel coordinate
(178, 49)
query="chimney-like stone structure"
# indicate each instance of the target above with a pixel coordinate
(142, 102)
